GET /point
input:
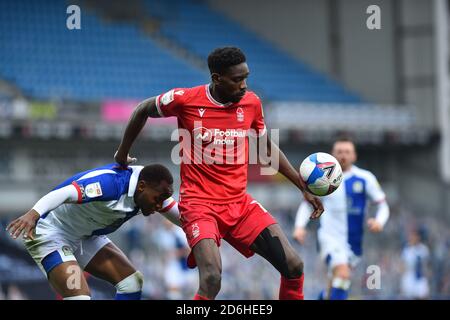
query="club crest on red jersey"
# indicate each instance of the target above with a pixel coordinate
(240, 114)
(195, 230)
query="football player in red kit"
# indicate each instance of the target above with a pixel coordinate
(214, 122)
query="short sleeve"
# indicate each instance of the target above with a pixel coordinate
(374, 191)
(168, 204)
(258, 123)
(98, 188)
(169, 103)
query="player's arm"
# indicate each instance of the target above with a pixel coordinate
(381, 217)
(27, 222)
(144, 109)
(170, 211)
(378, 197)
(428, 265)
(287, 170)
(402, 265)
(301, 220)
(284, 166)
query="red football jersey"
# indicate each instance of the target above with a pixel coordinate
(214, 142)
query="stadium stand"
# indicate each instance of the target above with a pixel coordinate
(276, 75)
(43, 58)
(53, 86)
(112, 59)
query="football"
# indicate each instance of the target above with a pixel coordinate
(321, 173)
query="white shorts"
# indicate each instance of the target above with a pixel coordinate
(335, 252)
(413, 288)
(52, 246)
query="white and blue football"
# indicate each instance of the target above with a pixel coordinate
(321, 173)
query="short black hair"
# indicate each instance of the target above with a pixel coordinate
(220, 59)
(155, 173)
(344, 138)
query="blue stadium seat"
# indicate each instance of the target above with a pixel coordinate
(106, 60)
(102, 60)
(275, 75)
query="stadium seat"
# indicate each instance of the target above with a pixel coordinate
(275, 75)
(102, 60)
(118, 60)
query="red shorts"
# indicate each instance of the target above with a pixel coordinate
(238, 223)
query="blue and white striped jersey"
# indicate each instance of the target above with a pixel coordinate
(345, 209)
(105, 201)
(415, 258)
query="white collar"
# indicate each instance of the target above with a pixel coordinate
(134, 179)
(350, 172)
(214, 101)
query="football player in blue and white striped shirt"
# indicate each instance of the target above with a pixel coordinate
(415, 259)
(65, 230)
(341, 228)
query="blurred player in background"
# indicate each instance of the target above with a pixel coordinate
(341, 227)
(213, 203)
(415, 258)
(180, 280)
(65, 230)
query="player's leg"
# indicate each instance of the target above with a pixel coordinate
(209, 263)
(339, 259)
(201, 223)
(53, 253)
(340, 282)
(273, 245)
(325, 293)
(258, 231)
(106, 261)
(68, 281)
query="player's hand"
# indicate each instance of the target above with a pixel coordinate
(124, 160)
(316, 203)
(24, 224)
(299, 235)
(374, 225)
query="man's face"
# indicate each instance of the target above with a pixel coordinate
(150, 199)
(413, 238)
(232, 85)
(344, 152)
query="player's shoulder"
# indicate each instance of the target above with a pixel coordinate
(363, 173)
(189, 92)
(135, 168)
(423, 248)
(182, 94)
(174, 93)
(109, 170)
(110, 181)
(251, 100)
(111, 176)
(252, 96)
